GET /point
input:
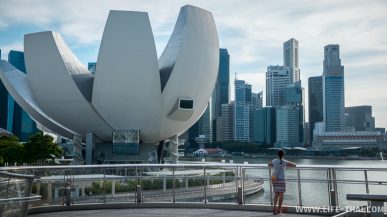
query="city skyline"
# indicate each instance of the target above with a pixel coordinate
(253, 32)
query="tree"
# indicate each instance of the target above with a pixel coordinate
(11, 150)
(40, 147)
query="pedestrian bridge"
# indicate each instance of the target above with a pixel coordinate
(183, 189)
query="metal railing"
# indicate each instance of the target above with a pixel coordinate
(15, 190)
(313, 185)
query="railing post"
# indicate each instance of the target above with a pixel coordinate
(243, 183)
(335, 187)
(299, 188)
(366, 184)
(366, 181)
(105, 193)
(205, 185)
(138, 194)
(27, 192)
(173, 185)
(332, 188)
(271, 188)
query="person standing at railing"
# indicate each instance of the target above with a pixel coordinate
(278, 179)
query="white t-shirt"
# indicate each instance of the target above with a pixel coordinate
(279, 168)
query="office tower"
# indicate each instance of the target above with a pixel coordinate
(277, 78)
(223, 81)
(225, 123)
(242, 111)
(19, 122)
(291, 53)
(315, 90)
(264, 126)
(294, 97)
(205, 123)
(257, 100)
(287, 126)
(92, 66)
(333, 89)
(307, 140)
(3, 104)
(361, 118)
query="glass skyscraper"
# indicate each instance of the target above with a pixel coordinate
(18, 121)
(315, 90)
(294, 98)
(277, 78)
(333, 89)
(361, 118)
(3, 105)
(223, 81)
(242, 111)
(264, 126)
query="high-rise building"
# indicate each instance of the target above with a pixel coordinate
(3, 104)
(264, 126)
(277, 78)
(257, 100)
(18, 121)
(225, 123)
(315, 90)
(361, 118)
(242, 111)
(287, 126)
(223, 81)
(294, 97)
(205, 123)
(333, 89)
(291, 53)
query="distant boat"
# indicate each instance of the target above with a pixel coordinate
(381, 155)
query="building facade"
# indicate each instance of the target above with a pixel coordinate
(333, 89)
(315, 90)
(223, 81)
(18, 121)
(346, 139)
(294, 98)
(287, 126)
(205, 123)
(277, 78)
(360, 118)
(225, 123)
(291, 60)
(242, 111)
(257, 100)
(264, 126)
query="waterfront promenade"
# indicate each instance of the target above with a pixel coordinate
(329, 183)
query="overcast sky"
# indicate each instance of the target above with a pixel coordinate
(253, 31)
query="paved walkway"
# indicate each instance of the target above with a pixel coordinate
(164, 212)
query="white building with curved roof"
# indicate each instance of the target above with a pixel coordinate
(133, 95)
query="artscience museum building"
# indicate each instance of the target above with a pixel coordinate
(135, 105)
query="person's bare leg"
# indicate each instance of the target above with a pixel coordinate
(280, 200)
(275, 202)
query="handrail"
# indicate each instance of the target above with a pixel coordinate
(225, 165)
(16, 175)
(20, 199)
(68, 174)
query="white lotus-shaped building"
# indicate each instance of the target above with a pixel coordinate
(131, 89)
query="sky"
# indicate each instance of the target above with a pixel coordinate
(253, 31)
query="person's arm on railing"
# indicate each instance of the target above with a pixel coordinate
(291, 164)
(270, 164)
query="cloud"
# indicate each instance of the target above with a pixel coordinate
(252, 30)
(5, 48)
